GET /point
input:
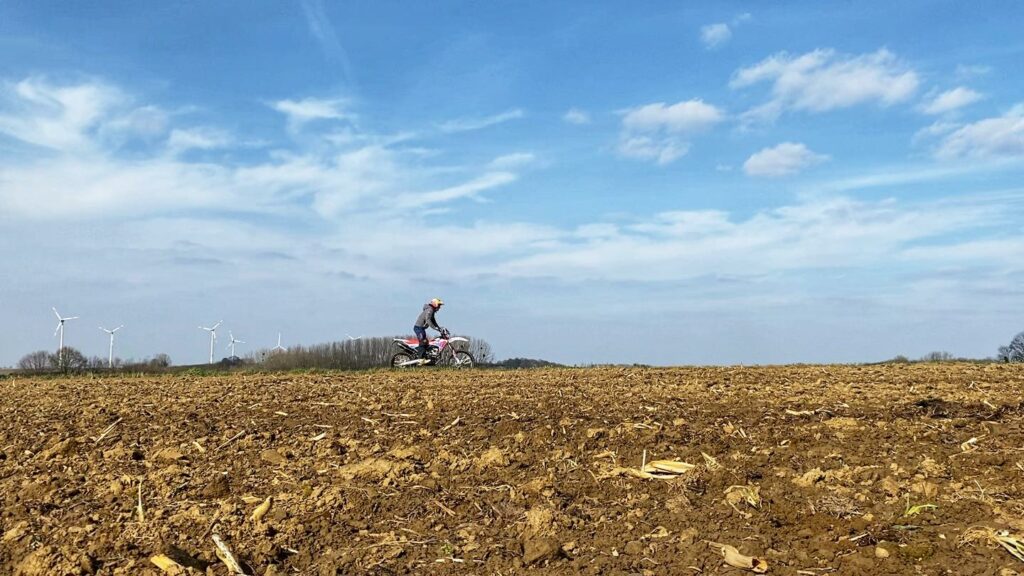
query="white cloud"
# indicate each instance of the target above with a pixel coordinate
(576, 116)
(824, 233)
(991, 138)
(57, 117)
(951, 100)
(514, 160)
(182, 139)
(686, 116)
(468, 124)
(823, 80)
(714, 35)
(965, 71)
(663, 150)
(87, 177)
(466, 190)
(656, 131)
(300, 112)
(784, 159)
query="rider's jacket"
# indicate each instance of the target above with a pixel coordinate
(426, 318)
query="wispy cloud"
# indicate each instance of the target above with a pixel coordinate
(825, 80)
(299, 112)
(576, 116)
(714, 35)
(470, 190)
(468, 124)
(951, 100)
(785, 159)
(322, 30)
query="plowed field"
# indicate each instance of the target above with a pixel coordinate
(901, 469)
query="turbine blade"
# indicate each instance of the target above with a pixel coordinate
(56, 313)
(72, 318)
(59, 324)
(118, 328)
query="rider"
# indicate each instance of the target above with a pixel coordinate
(424, 321)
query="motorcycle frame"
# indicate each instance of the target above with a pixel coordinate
(444, 352)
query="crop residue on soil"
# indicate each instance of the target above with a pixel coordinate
(898, 469)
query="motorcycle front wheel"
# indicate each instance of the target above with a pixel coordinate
(461, 359)
(399, 359)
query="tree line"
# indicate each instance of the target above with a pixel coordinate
(72, 360)
(356, 354)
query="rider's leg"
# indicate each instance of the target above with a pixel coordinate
(421, 335)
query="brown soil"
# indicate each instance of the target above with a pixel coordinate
(431, 471)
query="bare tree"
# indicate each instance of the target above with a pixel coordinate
(1004, 354)
(1015, 351)
(72, 359)
(38, 360)
(937, 357)
(481, 351)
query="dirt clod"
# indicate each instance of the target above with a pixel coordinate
(537, 550)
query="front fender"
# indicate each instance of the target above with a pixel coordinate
(458, 339)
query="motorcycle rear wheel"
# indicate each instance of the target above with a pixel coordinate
(398, 359)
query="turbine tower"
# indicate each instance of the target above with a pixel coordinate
(60, 328)
(278, 347)
(232, 343)
(213, 337)
(110, 357)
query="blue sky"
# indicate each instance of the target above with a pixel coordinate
(728, 182)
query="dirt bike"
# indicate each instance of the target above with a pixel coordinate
(440, 352)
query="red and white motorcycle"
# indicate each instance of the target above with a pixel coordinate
(440, 352)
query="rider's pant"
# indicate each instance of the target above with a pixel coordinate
(421, 335)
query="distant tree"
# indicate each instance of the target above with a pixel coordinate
(160, 361)
(1004, 354)
(72, 359)
(481, 351)
(1015, 351)
(38, 360)
(900, 359)
(937, 357)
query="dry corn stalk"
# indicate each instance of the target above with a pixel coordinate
(167, 565)
(142, 514)
(733, 558)
(225, 555)
(655, 469)
(969, 444)
(262, 509)
(710, 462)
(749, 494)
(1012, 544)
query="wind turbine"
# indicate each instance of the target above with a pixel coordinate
(278, 347)
(60, 328)
(232, 343)
(213, 337)
(110, 357)
(350, 337)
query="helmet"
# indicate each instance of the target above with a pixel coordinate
(436, 302)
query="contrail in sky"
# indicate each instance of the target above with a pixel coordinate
(321, 28)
